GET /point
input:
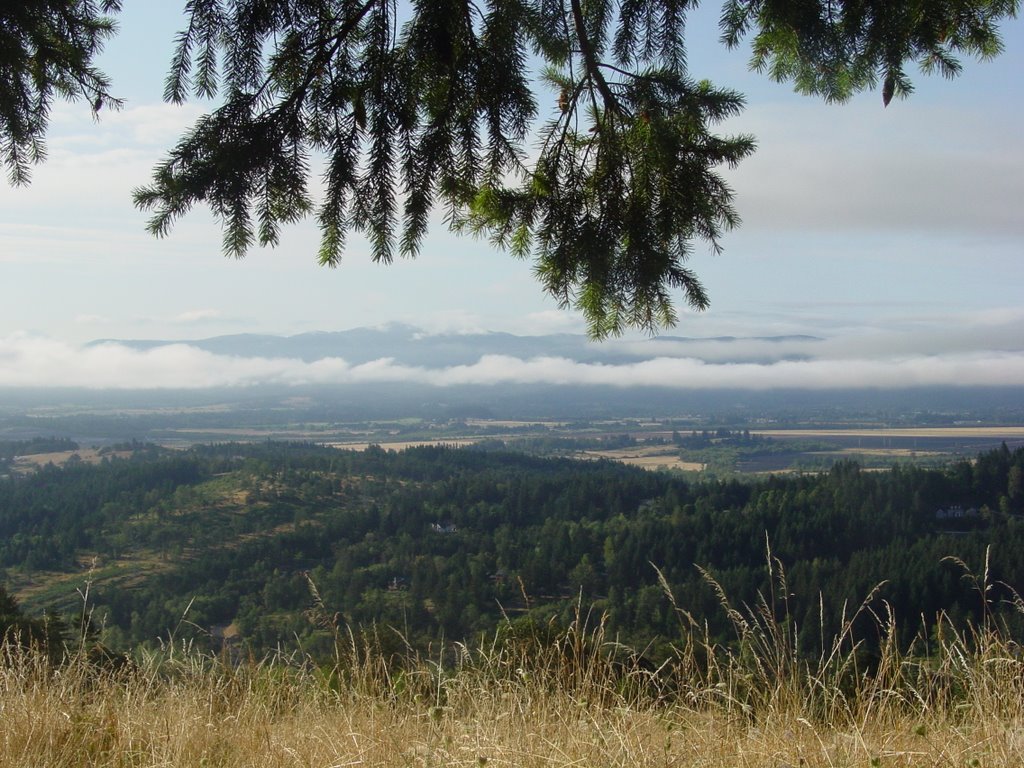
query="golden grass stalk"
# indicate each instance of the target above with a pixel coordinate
(532, 696)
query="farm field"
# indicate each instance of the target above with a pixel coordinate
(401, 445)
(768, 450)
(966, 433)
(644, 443)
(953, 440)
(647, 457)
(33, 461)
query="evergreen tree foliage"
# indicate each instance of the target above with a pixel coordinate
(48, 634)
(839, 47)
(445, 543)
(434, 104)
(47, 49)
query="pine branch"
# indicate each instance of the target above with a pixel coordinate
(590, 59)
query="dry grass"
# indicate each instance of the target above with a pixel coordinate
(401, 445)
(645, 457)
(884, 452)
(32, 462)
(533, 698)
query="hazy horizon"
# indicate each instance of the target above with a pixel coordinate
(894, 234)
(984, 352)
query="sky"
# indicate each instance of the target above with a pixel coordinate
(894, 234)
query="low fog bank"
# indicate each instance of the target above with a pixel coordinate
(36, 362)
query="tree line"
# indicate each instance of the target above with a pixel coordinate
(439, 542)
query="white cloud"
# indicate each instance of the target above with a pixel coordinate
(998, 329)
(193, 316)
(689, 373)
(996, 317)
(153, 125)
(92, 166)
(912, 169)
(451, 321)
(461, 322)
(159, 125)
(30, 361)
(551, 321)
(90, 319)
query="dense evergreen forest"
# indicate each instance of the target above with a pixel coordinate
(277, 544)
(11, 448)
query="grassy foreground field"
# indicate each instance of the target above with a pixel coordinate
(572, 699)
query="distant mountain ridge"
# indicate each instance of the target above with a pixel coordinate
(413, 346)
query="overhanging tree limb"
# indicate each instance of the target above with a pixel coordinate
(435, 104)
(47, 48)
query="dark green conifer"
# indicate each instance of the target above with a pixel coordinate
(433, 104)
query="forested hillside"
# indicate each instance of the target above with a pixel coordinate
(443, 543)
